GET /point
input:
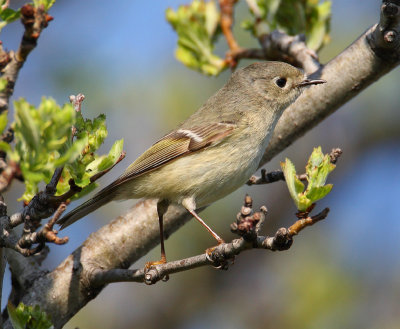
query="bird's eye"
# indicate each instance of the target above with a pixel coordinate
(280, 82)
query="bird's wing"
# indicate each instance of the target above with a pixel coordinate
(176, 144)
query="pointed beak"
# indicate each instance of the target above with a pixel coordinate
(308, 82)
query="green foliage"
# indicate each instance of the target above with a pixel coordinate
(89, 163)
(197, 26)
(44, 141)
(309, 17)
(7, 15)
(47, 4)
(28, 317)
(3, 83)
(3, 124)
(317, 170)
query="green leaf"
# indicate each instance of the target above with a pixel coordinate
(197, 26)
(44, 141)
(72, 153)
(10, 15)
(3, 121)
(3, 84)
(112, 157)
(318, 33)
(26, 124)
(317, 169)
(47, 4)
(28, 317)
(295, 186)
(5, 146)
(319, 192)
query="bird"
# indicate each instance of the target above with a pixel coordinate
(212, 153)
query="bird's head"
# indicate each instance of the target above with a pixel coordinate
(278, 83)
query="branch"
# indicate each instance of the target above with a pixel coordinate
(247, 225)
(279, 46)
(34, 21)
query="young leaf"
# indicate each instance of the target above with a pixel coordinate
(47, 4)
(3, 83)
(317, 170)
(28, 317)
(295, 186)
(3, 121)
(197, 26)
(44, 141)
(8, 15)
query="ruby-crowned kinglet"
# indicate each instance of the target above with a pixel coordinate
(213, 152)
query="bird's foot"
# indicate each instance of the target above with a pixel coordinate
(159, 262)
(218, 258)
(150, 267)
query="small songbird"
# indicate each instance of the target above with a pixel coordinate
(213, 152)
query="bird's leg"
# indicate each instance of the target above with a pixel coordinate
(162, 206)
(190, 205)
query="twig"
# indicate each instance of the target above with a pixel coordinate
(277, 45)
(226, 22)
(76, 101)
(308, 221)
(247, 225)
(385, 40)
(8, 171)
(34, 21)
(249, 53)
(277, 175)
(46, 234)
(226, 7)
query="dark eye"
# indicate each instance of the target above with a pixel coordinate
(281, 82)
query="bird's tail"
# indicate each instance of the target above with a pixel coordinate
(104, 196)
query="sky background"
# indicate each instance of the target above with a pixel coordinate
(342, 273)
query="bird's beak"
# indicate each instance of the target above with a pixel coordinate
(308, 82)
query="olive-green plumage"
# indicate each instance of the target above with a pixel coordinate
(216, 149)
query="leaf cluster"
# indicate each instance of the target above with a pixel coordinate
(308, 17)
(197, 26)
(45, 139)
(317, 170)
(28, 317)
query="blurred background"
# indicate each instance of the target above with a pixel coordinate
(341, 273)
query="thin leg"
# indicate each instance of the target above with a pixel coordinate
(162, 207)
(161, 224)
(190, 205)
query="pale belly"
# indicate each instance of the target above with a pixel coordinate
(205, 175)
